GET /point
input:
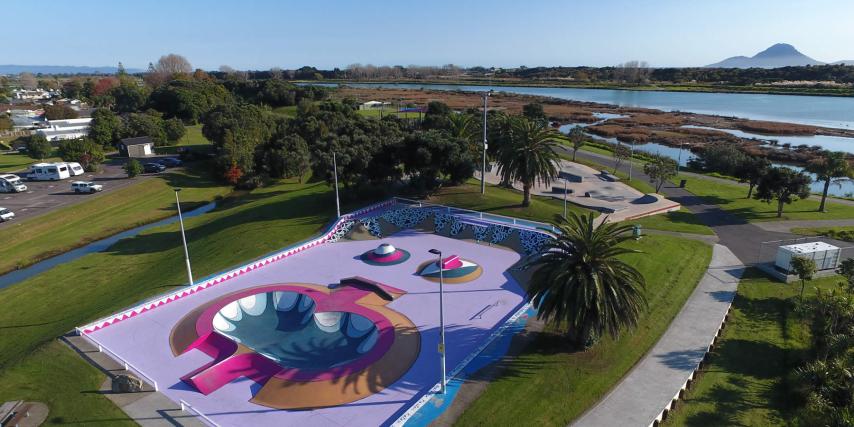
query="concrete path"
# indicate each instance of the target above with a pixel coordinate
(651, 385)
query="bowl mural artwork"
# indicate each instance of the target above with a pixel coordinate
(299, 341)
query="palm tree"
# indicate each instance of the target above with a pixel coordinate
(463, 126)
(580, 281)
(528, 156)
(831, 166)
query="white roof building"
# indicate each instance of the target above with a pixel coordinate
(57, 130)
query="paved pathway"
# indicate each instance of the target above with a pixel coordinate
(653, 383)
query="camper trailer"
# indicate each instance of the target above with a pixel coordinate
(49, 172)
(75, 169)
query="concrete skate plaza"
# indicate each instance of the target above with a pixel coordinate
(473, 310)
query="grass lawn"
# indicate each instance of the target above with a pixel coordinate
(244, 226)
(193, 137)
(19, 162)
(745, 381)
(70, 389)
(389, 112)
(152, 199)
(732, 198)
(681, 221)
(289, 111)
(548, 385)
(840, 233)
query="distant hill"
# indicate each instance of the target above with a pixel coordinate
(779, 55)
(844, 62)
(61, 69)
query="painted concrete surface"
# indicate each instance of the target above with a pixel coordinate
(650, 386)
(472, 311)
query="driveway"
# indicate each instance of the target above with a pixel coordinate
(45, 196)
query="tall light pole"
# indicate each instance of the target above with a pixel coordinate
(631, 158)
(564, 196)
(335, 172)
(184, 238)
(441, 316)
(679, 160)
(483, 166)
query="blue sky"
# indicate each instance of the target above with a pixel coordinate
(259, 34)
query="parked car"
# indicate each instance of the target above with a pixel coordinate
(11, 183)
(6, 215)
(153, 168)
(86, 187)
(170, 162)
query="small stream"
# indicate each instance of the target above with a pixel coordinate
(16, 276)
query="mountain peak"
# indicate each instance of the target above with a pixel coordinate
(778, 55)
(779, 49)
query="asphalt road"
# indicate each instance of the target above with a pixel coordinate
(45, 196)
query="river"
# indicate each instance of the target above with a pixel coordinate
(829, 111)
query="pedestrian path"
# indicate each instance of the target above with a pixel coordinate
(650, 387)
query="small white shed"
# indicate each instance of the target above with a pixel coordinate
(826, 256)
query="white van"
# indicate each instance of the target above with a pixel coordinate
(6, 215)
(49, 172)
(10, 183)
(75, 169)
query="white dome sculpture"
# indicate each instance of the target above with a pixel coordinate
(384, 249)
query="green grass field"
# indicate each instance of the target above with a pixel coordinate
(745, 382)
(151, 199)
(19, 162)
(193, 137)
(840, 233)
(389, 112)
(733, 199)
(548, 386)
(289, 111)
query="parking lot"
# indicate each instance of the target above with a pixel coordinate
(44, 196)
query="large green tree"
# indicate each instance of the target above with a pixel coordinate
(38, 147)
(83, 150)
(750, 170)
(783, 185)
(529, 157)
(579, 280)
(659, 171)
(105, 128)
(831, 166)
(188, 100)
(143, 124)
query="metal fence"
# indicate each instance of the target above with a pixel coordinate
(488, 217)
(186, 407)
(127, 365)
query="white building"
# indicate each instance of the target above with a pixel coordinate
(370, 105)
(24, 94)
(826, 256)
(57, 130)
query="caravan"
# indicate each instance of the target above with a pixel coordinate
(75, 169)
(49, 172)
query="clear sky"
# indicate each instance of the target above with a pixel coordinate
(259, 34)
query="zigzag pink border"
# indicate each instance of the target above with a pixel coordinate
(174, 296)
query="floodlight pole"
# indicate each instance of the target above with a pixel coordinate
(679, 160)
(184, 238)
(443, 386)
(335, 172)
(483, 166)
(631, 158)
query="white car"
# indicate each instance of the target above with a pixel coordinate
(86, 187)
(6, 215)
(11, 183)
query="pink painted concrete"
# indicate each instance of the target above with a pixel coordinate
(472, 312)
